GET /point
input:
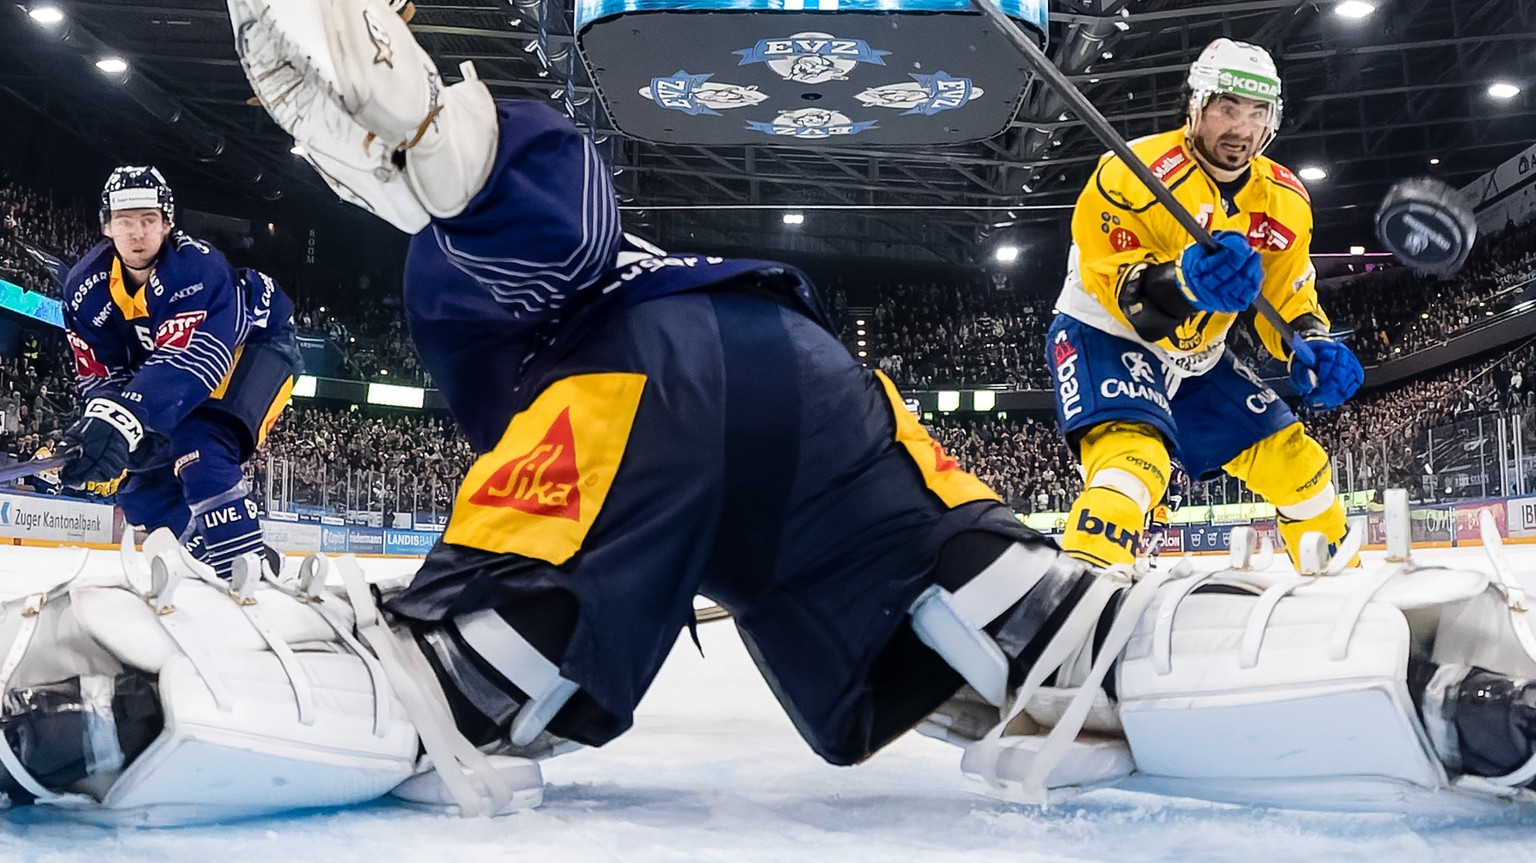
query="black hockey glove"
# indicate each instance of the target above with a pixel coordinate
(100, 444)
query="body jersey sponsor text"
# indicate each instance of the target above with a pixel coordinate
(176, 332)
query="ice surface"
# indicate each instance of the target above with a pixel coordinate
(714, 772)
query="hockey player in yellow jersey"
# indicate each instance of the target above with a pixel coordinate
(1138, 348)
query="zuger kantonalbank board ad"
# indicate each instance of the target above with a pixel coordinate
(54, 518)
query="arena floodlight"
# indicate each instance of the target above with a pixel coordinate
(984, 400)
(1503, 90)
(304, 387)
(949, 401)
(112, 65)
(1312, 173)
(1354, 9)
(794, 218)
(1006, 253)
(1357, 250)
(46, 14)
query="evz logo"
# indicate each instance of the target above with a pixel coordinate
(812, 58)
(812, 124)
(694, 95)
(925, 94)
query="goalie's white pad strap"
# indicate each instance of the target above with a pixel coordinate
(27, 614)
(505, 649)
(468, 776)
(951, 624)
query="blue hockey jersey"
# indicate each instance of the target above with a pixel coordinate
(535, 257)
(167, 347)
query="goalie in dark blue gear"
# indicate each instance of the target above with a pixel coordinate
(184, 363)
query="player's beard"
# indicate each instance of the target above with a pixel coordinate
(1225, 158)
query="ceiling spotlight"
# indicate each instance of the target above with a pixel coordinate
(112, 65)
(1006, 254)
(46, 13)
(1435, 161)
(297, 149)
(1503, 90)
(1357, 250)
(1355, 9)
(1312, 172)
(1122, 26)
(794, 218)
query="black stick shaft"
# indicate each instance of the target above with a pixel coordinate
(31, 468)
(1107, 135)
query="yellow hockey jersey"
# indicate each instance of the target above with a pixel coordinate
(1117, 224)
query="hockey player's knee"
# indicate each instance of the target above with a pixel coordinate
(500, 668)
(1126, 465)
(1128, 457)
(991, 622)
(1288, 468)
(1291, 470)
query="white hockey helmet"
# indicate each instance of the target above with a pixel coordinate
(1238, 68)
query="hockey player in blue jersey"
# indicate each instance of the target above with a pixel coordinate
(184, 363)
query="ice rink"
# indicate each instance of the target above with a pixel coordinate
(714, 772)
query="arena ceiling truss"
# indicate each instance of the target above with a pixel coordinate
(1370, 101)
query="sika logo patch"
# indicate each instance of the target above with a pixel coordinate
(942, 460)
(542, 487)
(86, 364)
(541, 481)
(176, 332)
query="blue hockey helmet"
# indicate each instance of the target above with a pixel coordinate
(135, 187)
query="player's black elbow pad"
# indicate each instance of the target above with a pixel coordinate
(1153, 303)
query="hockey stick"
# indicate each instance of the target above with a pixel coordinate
(1107, 135)
(31, 468)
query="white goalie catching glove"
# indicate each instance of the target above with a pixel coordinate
(349, 82)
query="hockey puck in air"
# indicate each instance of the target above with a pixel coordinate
(1427, 225)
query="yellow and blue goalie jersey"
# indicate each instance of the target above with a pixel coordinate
(1117, 224)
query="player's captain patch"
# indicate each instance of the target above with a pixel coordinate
(539, 491)
(941, 473)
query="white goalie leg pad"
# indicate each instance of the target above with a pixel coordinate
(1292, 684)
(250, 754)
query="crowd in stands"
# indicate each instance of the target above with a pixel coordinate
(960, 334)
(924, 335)
(54, 228)
(1396, 311)
(349, 461)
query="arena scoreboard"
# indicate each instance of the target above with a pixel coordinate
(840, 73)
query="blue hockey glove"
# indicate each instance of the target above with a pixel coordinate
(1225, 280)
(1332, 378)
(101, 443)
